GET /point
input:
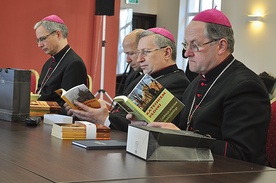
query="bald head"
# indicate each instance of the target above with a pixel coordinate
(132, 38)
(130, 44)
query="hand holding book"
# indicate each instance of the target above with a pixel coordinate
(79, 93)
(87, 113)
(149, 101)
(156, 124)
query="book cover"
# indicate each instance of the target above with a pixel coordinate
(78, 127)
(78, 135)
(78, 131)
(44, 105)
(100, 144)
(80, 93)
(149, 101)
(39, 108)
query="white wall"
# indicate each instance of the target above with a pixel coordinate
(166, 11)
(167, 15)
(144, 6)
(254, 47)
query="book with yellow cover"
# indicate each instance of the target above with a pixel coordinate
(81, 94)
(149, 101)
(39, 108)
(65, 127)
(75, 135)
(78, 127)
(78, 131)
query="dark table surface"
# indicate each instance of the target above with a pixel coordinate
(31, 153)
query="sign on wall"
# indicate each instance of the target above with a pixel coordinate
(132, 1)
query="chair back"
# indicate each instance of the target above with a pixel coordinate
(34, 80)
(271, 136)
(89, 82)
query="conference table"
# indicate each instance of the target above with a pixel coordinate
(31, 154)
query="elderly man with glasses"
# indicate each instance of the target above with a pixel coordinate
(227, 101)
(64, 69)
(156, 55)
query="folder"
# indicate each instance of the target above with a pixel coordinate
(100, 144)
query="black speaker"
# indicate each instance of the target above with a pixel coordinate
(105, 7)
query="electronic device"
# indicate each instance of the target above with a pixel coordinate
(32, 121)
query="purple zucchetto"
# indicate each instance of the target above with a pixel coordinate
(212, 16)
(53, 18)
(162, 32)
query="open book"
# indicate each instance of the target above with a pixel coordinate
(80, 93)
(149, 101)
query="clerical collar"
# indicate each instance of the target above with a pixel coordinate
(164, 71)
(61, 53)
(215, 72)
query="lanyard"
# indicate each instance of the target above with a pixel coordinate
(44, 79)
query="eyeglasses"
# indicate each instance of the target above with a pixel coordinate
(43, 38)
(146, 52)
(195, 47)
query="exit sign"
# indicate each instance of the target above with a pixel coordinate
(132, 1)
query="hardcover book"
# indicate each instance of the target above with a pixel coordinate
(100, 144)
(80, 93)
(149, 101)
(79, 131)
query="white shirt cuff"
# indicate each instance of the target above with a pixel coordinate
(107, 122)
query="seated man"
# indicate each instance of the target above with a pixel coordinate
(130, 44)
(190, 75)
(64, 69)
(156, 55)
(227, 101)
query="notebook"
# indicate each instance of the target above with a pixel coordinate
(100, 144)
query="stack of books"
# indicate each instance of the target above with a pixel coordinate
(39, 108)
(78, 131)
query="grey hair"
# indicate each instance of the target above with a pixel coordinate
(53, 26)
(216, 31)
(161, 41)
